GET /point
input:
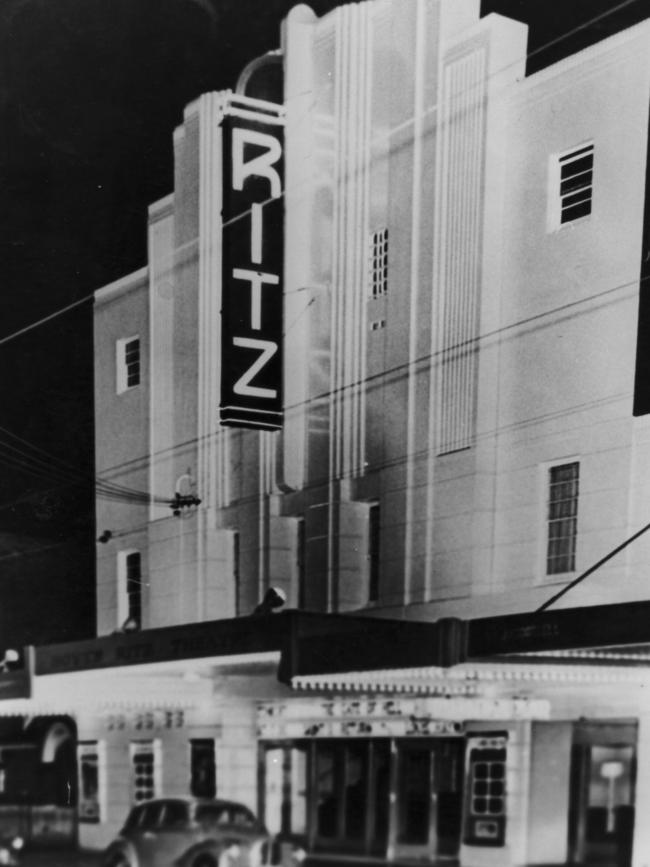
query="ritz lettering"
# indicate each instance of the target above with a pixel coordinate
(252, 279)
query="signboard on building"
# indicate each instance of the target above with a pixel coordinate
(251, 316)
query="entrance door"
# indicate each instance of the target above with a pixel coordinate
(601, 817)
(429, 798)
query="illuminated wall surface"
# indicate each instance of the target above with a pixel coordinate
(458, 250)
(455, 326)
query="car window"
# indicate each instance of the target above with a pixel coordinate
(150, 814)
(133, 819)
(175, 814)
(242, 818)
(212, 814)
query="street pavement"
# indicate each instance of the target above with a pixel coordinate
(59, 858)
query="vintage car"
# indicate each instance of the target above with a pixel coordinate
(191, 832)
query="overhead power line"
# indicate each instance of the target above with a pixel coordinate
(386, 133)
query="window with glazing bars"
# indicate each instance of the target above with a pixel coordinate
(134, 587)
(564, 482)
(576, 183)
(379, 263)
(132, 362)
(128, 363)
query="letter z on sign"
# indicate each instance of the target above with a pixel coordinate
(251, 324)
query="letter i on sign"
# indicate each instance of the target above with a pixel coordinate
(253, 217)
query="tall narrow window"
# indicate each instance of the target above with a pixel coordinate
(134, 587)
(379, 263)
(203, 780)
(486, 791)
(235, 571)
(576, 174)
(92, 772)
(145, 769)
(373, 552)
(562, 518)
(128, 363)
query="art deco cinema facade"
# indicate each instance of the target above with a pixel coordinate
(391, 336)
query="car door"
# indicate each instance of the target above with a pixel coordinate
(176, 832)
(247, 831)
(143, 835)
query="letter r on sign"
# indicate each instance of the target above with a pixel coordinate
(261, 165)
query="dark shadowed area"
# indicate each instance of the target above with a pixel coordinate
(90, 92)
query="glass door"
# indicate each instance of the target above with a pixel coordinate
(601, 814)
(429, 798)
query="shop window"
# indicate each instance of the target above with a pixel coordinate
(128, 363)
(348, 804)
(284, 789)
(562, 518)
(274, 792)
(92, 774)
(355, 799)
(486, 791)
(203, 773)
(145, 769)
(297, 772)
(328, 789)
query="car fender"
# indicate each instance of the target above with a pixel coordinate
(120, 847)
(212, 848)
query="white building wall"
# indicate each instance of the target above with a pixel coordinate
(500, 347)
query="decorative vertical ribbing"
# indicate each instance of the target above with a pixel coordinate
(213, 442)
(267, 469)
(462, 141)
(351, 177)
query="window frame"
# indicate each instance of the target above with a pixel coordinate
(556, 199)
(485, 828)
(124, 601)
(378, 241)
(545, 502)
(140, 747)
(123, 371)
(200, 748)
(89, 810)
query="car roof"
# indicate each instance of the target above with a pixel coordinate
(192, 799)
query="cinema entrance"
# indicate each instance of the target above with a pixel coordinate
(395, 798)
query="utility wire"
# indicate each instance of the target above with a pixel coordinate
(591, 569)
(386, 134)
(111, 490)
(67, 474)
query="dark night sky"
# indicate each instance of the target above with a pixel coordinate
(90, 91)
